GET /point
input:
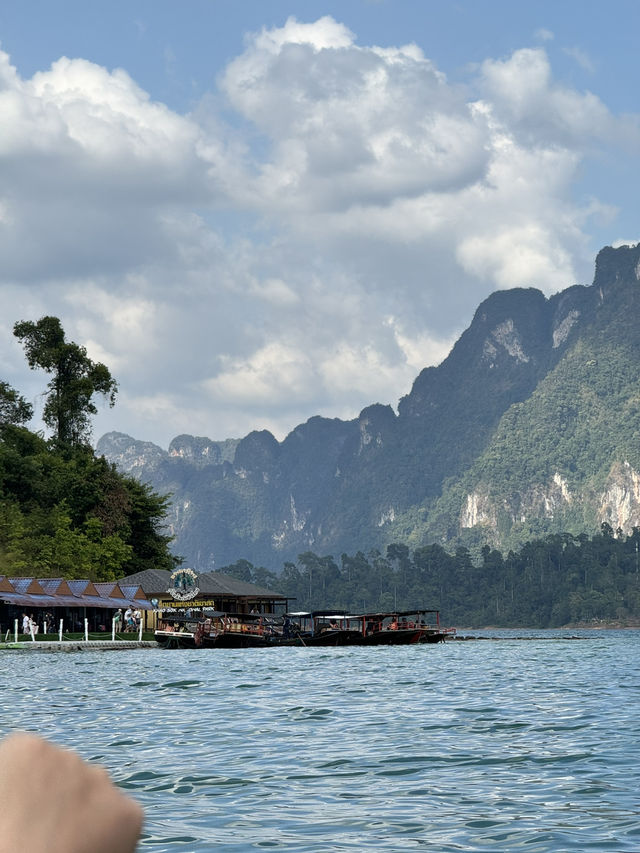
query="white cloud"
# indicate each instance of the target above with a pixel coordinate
(350, 370)
(421, 349)
(275, 291)
(349, 125)
(524, 95)
(268, 376)
(517, 256)
(582, 58)
(311, 255)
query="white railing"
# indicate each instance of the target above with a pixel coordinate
(33, 630)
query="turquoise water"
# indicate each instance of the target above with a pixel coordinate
(489, 745)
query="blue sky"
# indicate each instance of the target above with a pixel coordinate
(255, 212)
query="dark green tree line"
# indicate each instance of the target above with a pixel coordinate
(558, 580)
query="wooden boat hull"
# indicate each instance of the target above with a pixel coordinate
(433, 637)
(175, 640)
(235, 640)
(398, 637)
(333, 638)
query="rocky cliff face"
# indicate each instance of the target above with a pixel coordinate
(529, 426)
(619, 502)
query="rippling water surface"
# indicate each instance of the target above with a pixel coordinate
(489, 745)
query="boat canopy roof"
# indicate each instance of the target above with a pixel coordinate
(389, 613)
(333, 616)
(329, 614)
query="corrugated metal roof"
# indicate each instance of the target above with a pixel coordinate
(225, 584)
(152, 581)
(55, 586)
(59, 592)
(77, 587)
(27, 585)
(157, 581)
(24, 598)
(71, 601)
(132, 591)
(108, 590)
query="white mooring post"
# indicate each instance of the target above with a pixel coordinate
(60, 631)
(113, 630)
(44, 627)
(15, 631)
(140, 631)
(86, 630)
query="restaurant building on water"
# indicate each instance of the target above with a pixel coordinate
(48, 600)
(185, 590)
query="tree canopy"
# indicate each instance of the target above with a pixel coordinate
(75, 379)
(63, 511)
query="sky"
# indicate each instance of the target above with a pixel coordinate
(258, 211)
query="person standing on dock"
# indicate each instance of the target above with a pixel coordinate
(128, 619)
(26, 622)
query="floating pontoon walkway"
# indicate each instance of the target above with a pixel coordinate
(78, 645)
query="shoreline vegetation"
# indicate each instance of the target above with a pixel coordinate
(560, 581)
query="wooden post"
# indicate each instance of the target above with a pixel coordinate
(113, 630)
(15, 630)
(60, 632)
(86, 630)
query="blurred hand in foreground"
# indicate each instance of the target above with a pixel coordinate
(51, 801)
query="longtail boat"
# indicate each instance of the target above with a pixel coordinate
(217, 629)
(321, 628)
(402, 628)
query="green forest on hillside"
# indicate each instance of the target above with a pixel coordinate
(559, 580)
(63, 511)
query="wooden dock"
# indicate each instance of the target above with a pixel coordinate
(77, 645)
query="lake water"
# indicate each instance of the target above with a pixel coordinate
(489, 745)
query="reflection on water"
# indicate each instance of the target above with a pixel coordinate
(482, 746)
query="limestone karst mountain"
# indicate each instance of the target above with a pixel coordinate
(530, 426)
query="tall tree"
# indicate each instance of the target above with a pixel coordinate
(75, 379)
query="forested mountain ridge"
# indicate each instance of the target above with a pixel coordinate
(530, 426)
